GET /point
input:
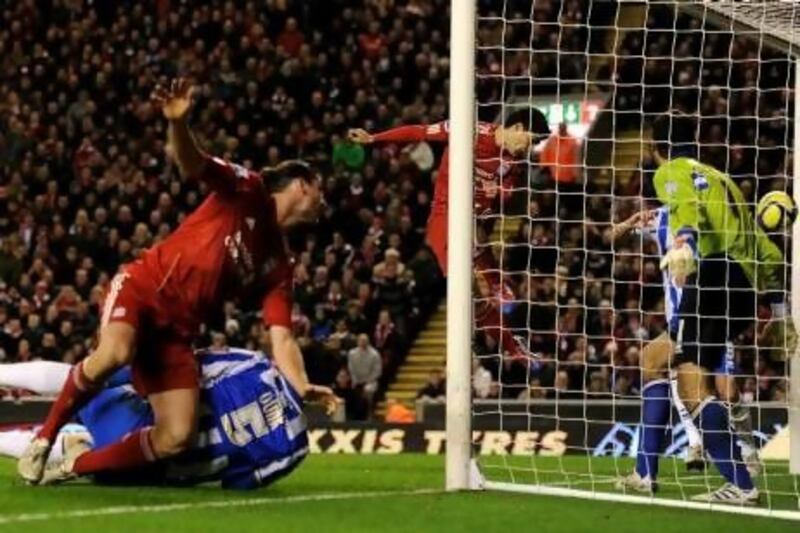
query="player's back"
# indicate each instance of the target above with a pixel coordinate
(723, 217)
(231, 242)
(251, 430)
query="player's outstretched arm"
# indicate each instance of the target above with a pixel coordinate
(636, 221)
(438, 132)
(175, 103)
(289, 360)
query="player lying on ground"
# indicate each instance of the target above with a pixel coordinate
(252, 430)
(723, 263)
(500, 152)
(660, 384)
(231, 246)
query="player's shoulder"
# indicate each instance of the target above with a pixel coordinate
(234, 170)
(675, 169)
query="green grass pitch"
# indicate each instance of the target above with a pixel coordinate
(351, 493)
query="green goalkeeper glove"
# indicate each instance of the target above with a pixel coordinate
(680, 261)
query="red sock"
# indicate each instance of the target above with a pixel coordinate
(77, 391)
(135, 449)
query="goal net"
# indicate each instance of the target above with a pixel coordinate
(580, 335)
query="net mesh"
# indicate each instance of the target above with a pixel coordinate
(563, 311)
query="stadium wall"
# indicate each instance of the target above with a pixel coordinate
(542, 428)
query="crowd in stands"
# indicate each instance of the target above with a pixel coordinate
(86, 182)
(588, 304)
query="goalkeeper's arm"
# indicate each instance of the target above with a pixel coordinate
(780, 332)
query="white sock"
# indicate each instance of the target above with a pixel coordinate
(41, 377)
(686, 418)
(13, 443)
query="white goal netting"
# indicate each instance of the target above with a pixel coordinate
(564, 411)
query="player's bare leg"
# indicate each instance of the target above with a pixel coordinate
(175, 428)
(115, 350)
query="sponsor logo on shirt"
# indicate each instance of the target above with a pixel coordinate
(700, 180)
(240, 255)
(240, 171)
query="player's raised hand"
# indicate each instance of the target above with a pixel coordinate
(323, 396)
(175, 101)
(359, 136)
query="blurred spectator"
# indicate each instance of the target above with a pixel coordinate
(385, 338)
(435, 388)
(355, 405)
(535, 391)
(560, 156)
(365, 367)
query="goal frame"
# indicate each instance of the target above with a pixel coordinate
(461, 469)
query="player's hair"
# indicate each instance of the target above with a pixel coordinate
(532, 120)
(675, 134)
(281, 175)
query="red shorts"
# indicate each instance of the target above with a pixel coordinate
(436, 237)
(164, 359)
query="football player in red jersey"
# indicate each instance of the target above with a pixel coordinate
(500, 151)
(232, 244)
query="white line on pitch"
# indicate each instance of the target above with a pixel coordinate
(213, 504)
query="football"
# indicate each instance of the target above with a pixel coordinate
(776, 210)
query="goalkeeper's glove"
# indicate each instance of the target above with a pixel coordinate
(780, 334)
(680, 261)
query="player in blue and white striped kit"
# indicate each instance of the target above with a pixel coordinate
(251, 428)
(658, 390)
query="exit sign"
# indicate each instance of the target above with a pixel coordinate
(577, 114)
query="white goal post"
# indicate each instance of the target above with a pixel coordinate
(773, 27)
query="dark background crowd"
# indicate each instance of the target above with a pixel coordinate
(86, 183)
(589, 304)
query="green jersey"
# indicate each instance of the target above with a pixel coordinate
(708, 204)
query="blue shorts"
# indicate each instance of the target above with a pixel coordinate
(114, 413)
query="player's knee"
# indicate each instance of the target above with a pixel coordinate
(173, 439)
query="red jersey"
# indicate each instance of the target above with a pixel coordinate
(494, 169)
(231, 245)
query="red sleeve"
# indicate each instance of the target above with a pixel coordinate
(228, 178)
(277, 305)
(421, 132)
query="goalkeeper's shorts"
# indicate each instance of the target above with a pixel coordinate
(718, 303)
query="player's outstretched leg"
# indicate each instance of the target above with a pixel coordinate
(720, 445)
(41, 377)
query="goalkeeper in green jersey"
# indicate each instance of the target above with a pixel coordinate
(724, 263)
